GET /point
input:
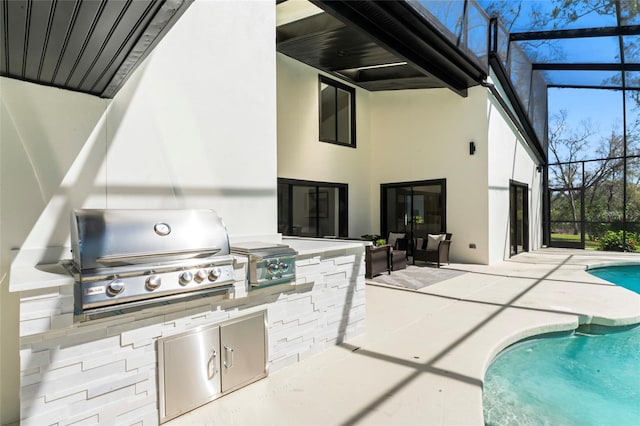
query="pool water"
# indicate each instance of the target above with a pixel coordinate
(577, 379)
(627, 276)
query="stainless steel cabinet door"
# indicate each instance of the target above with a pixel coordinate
(189, 372)
(243, 351)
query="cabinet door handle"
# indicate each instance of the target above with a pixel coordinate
(212, 364)
(228, 357)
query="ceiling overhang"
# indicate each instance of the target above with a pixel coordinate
(86, 46)
(377, 46)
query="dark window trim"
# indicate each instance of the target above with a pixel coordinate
(383, 199)
(343, 218)
(525, 214)
(301, 182)
(352, 92)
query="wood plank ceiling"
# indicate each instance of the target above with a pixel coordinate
(89, 46)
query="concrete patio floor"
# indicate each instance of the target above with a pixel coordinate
(424, 354)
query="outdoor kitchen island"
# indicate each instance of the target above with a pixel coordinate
(106, 370)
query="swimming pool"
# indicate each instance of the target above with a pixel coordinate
(627, 276)
(576, 379)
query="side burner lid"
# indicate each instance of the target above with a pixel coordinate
(262, 249)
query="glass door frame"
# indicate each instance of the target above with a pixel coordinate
(579, 244)
(343, 194)
(410, 222)
(513, 218)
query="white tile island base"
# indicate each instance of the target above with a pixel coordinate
(105, 370)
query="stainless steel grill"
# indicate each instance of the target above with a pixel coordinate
(124, 259)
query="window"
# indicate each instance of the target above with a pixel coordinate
(312, 209)
(337, 112)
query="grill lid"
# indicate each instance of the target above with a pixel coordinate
(114, 238)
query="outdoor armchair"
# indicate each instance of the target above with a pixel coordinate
(434, 248)
(398, 251)
(377, 260)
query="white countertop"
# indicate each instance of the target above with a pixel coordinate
(319, 245)
(39, 268)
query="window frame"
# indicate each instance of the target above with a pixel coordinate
(343, 191)
(513, 212)
(442, 182)
(352, 106)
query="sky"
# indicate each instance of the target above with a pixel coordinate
(602, 108)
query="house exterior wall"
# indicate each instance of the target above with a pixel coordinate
(302, 156)
(414, 135)
(425, 134)
(176, 136)
(401, 136)
(510, 159)
(38, 150)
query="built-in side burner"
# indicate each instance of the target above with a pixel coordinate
(269, 263)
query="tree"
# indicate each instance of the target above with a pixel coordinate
(566, 146)
(574, 169)
(551, 15)
(586, 166)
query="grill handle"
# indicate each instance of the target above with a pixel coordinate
(145, 257)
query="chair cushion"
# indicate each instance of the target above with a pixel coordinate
(394, 237)
(433, 241)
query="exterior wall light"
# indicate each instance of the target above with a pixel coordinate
(539, 168)
(472, 148)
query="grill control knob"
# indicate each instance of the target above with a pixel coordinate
(201, 275)
(282, 267)
(272, 268)
(153, 282)
(186, 277)
(115, 287)
(214, 274)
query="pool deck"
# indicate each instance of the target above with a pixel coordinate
(424, 354)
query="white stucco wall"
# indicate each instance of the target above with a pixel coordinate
(425, 134)
(195, 127)
(510, 159)
(402, 136)
(39, 148)
(302, 156)
(415, 135)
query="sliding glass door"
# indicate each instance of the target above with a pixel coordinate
(312, 209)
(519, 217)
(415, 208)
